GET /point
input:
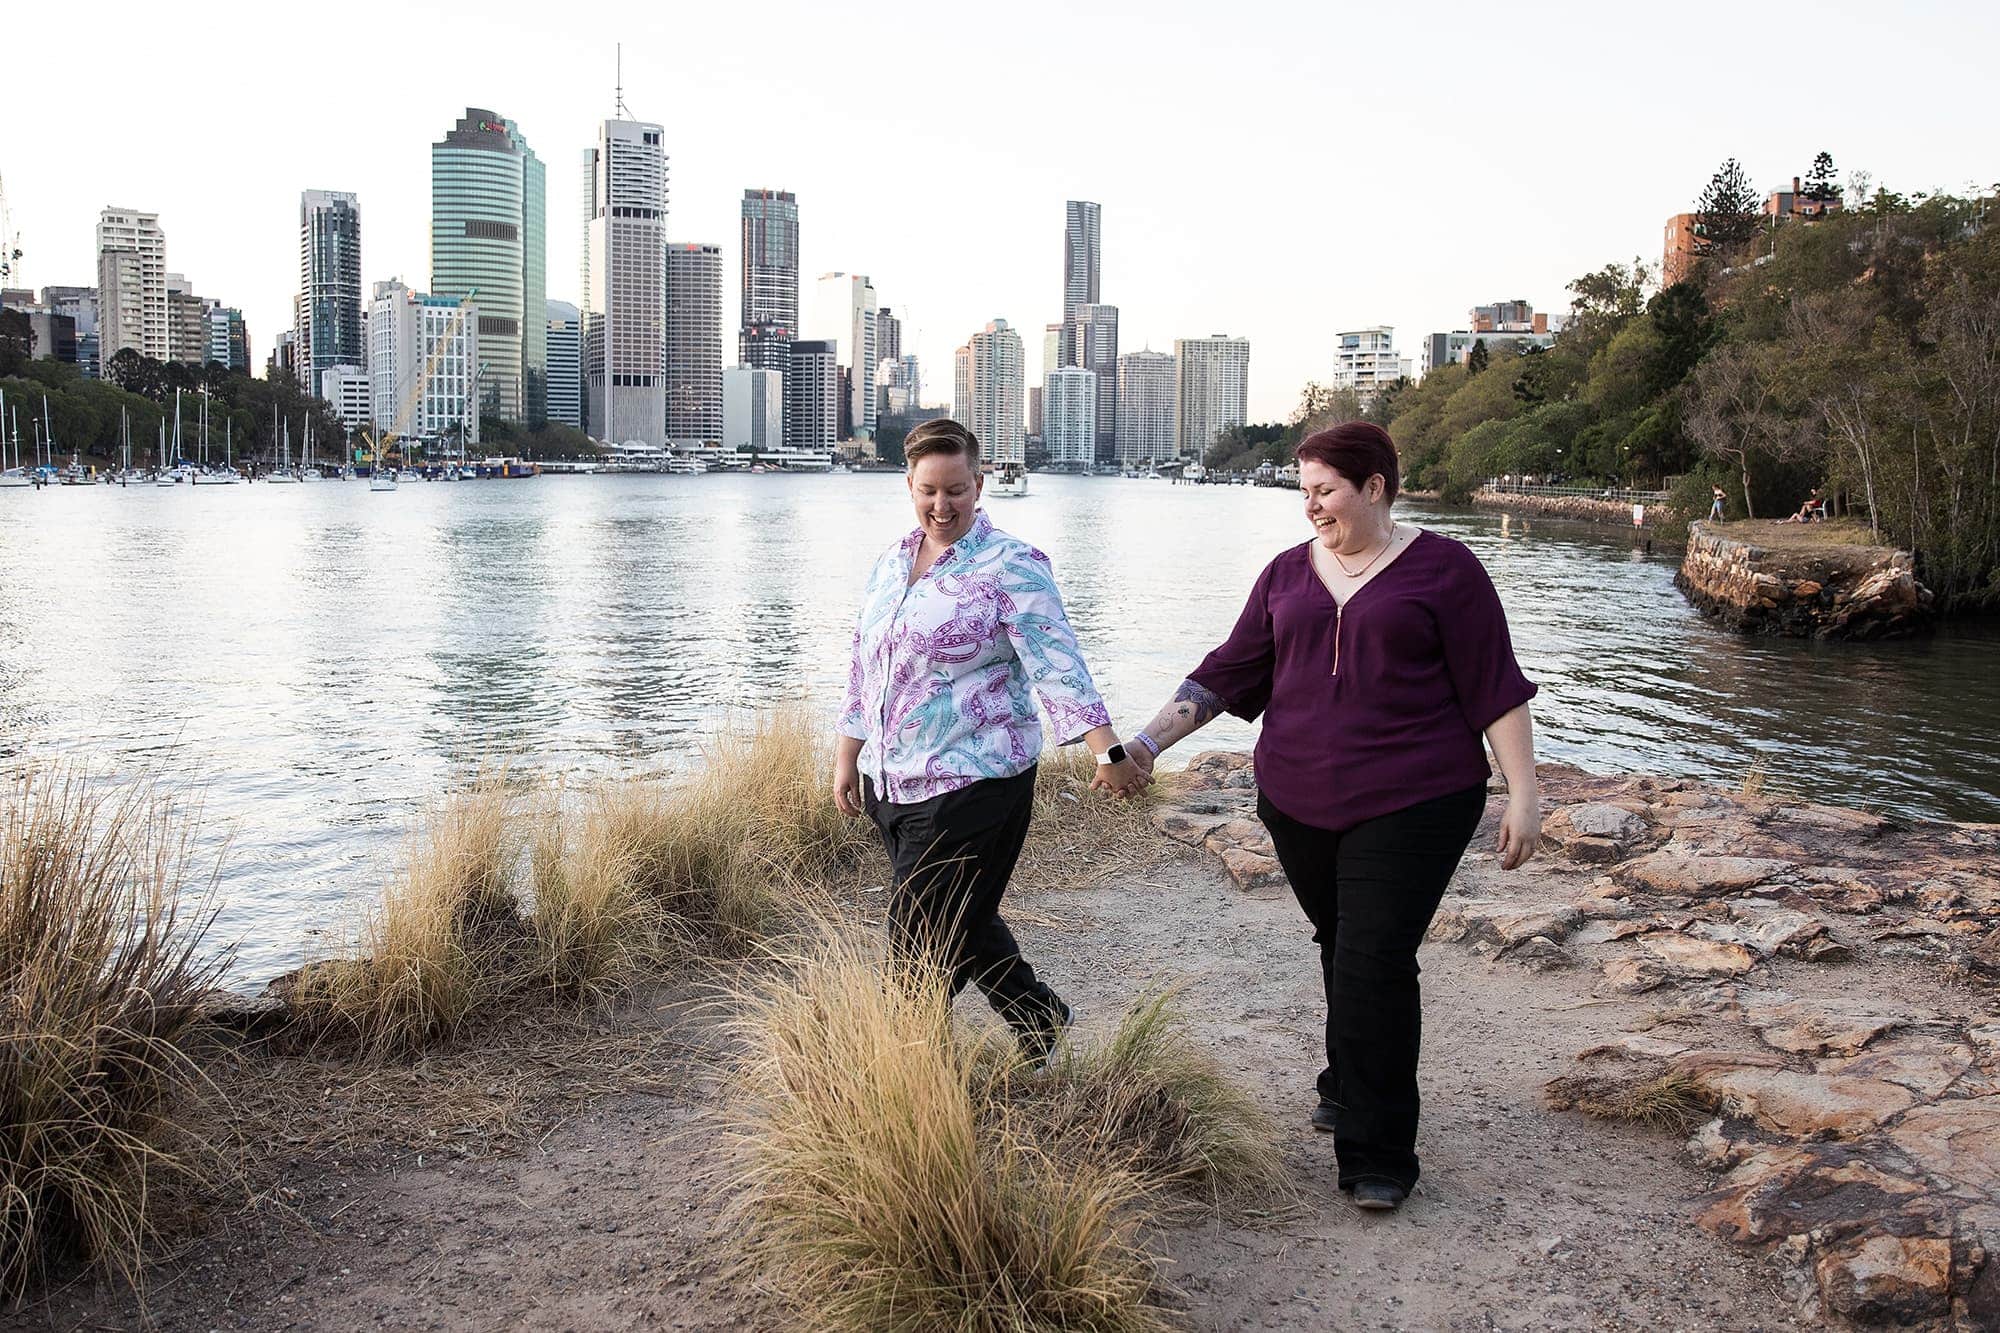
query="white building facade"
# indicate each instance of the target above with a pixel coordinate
(351, 392)
(423, 365)
(625, 284)
(132, 285)
(753, 409)
(1211, 390)
(812, 396)
(1145, 409)
(1069, 418)
(989, 398)
(1365, 361)
(844, 313)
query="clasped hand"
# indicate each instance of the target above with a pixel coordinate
(1127, 779)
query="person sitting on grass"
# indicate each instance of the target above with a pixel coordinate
(1812, 511)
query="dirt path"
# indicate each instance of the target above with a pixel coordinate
(1526, 1218)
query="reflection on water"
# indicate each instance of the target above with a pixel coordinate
(323, 659)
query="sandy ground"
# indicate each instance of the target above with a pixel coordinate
(608, 1216)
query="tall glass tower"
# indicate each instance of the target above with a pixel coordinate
(770, 279)
(489, 241)
(328, 316)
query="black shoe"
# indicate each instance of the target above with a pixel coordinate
(1039, 1042)
(1379, 1195)
(1324, 1115)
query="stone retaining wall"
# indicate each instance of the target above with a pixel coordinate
(1847, 592)
(1579, 507)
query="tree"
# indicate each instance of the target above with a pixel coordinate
(1822, 183)
(1323, 405)
(17, 341)
(1726, 216)
(1735, 412)
(1680, 316)
(1478, 358)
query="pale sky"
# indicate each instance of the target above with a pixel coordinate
(1276, 171)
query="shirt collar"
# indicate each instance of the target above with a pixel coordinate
(976, 536)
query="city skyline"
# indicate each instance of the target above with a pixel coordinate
(1192, 221)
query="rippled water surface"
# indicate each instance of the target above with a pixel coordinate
(323, 659)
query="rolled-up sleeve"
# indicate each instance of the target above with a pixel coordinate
(1238, 671)
(1478, 651)
(1046, 647)
(853, 723)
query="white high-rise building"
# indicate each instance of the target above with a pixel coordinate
(1365, 361)
(565, 364)
(423, 365)
(132, 285)
(694, 342)
(988, 399)
(351, 392)
(1097, 351)
(1211, 390)
(1069, 418)
(327, 310)
(753, 409)
(844, 313)
(1145, 408)
(1082, 243)
(625, 284)
(901, 386)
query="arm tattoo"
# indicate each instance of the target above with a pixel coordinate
(1194, 701)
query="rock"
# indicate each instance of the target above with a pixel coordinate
(251, 1015)
(1887, 1279)
(1634, 976)
(1541, 954)
(1252, 872)
(1806, 1106)
(1187, 824)
(1711, 1149)
(1925, 1066)
(1776, 1192)
(1697, 957)
(1504, 925)
(1600, 820)
(1679, 874)
(1957, 1142)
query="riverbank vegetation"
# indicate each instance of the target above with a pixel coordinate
(522, 923)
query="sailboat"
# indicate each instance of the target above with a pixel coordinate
(206, 476)
(310, 472)
(283, 472)
(170, 474)
(15, 477)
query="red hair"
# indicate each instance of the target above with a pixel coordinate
(1357, 450)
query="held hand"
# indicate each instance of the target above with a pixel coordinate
(1142, 758)
(847, 787)
(1124, 779)
(1520, 831)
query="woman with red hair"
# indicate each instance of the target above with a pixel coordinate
(1378, 656)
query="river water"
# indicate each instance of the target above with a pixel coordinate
(320, 660)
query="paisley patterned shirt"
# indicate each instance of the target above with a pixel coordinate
(938, 692)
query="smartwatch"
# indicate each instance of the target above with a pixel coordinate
(1114, 755)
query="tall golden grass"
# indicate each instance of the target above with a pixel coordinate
(104, 974)
(878, 1192)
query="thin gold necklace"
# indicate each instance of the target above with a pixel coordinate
(1357, 573)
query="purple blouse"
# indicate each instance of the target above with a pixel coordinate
(1378, 705)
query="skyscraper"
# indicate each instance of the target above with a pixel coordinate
(131, 285)
(228, 343)
(1081, 241)
(1069, 418)
(625, 284)
(888, 338)
(1097, 351)
(753, 410)
(327, 310)
(565, 364)
(770, 278)
(1211, 390)
(844, 313)
(988, 398)
(423, 359)
(187, 322)
(812, 396)
(1145, 408)
(489, 244)
(694, 342)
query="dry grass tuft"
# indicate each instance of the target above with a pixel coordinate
(876, 1196)
(1150, 1100)
(103, 977)
(1670, 1099)
(596, 932)
(440, 944)
(1078, 834)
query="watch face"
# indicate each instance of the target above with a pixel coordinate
(1116, 754)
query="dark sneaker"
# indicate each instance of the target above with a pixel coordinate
(1040, 1041)
(1379, 1195)
(1324, 1116)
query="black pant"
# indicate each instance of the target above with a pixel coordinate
(952, 856)
(1371, 892)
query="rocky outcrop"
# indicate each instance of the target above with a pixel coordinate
(1810, 988)
(1801, 590)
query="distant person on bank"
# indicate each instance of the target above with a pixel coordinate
(938, 734)
(1377, 654)
(1716, 496)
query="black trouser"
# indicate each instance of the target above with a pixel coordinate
(952, 856)
(1371, 892)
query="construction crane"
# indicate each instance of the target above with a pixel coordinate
(10, 243)
(407, 409)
